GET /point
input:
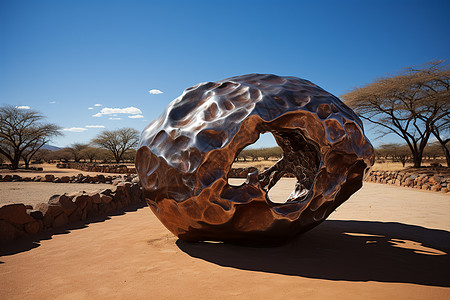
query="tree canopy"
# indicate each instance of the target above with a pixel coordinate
(117, 141)
(22, 133)
(414, 104)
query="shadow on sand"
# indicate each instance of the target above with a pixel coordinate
(30, 242)
(345, 250)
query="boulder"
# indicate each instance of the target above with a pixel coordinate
(64, 202)
(65, 179)
(436, 188)
(15, 214)
(95, 197)
(105, 199)
(60, 220)
(49, 178)
(9, 232)
(76, 215)
(36, 214)
(32, 227)
(81, 200)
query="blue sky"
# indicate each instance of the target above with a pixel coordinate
(62, 57)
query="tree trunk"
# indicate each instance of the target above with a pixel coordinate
(15, 164)
(447, 154)
(417, 160)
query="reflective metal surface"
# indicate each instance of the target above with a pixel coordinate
(186, 154)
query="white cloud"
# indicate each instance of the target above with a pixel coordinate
(98, 104)
(155, 92)
(52, 102)
(135, 116)
(90, 108)
(115, 111)
(74, 129)
(23, 107)
(127, 110)
(115, 118)
(94, 126)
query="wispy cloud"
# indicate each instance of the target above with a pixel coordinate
(98, 104)
(74, 129)
(115, 118)
(90, 108)
(155, 92)
(115, 111)
(52, 102)
(135, 116)
(23, 107)
(94, 126)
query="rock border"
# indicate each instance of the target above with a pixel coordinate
(18, 220)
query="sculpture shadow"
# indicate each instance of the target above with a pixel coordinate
(345, 250)
(33, 241)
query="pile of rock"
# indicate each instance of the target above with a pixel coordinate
(89, 167)
(17, 220)
(80, 178)
(424, 181)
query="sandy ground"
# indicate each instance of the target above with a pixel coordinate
(384, 242)
(33, 193)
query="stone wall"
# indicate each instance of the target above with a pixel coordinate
(92, 167)
(17, 220)
(80, 178)
(426, 180)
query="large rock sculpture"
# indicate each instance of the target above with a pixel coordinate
(186, 154)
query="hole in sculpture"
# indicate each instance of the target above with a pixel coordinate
(297, 168)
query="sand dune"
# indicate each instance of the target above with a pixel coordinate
(384, 242)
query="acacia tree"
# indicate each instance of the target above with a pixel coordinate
(22, 133)
(90, 153)
(410, 104)
(117, 141)
(77, 151)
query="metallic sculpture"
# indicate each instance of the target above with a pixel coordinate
(186, 154)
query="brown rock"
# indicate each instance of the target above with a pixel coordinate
(65, 179)
(9, 232)
(49, 178)
(64, 202)
(91, 210)
(49, 209)
(15, 214)
(60, 220)
(436, 188)
(76, 215)
(32, 227)
(36, 214)
(425, 187)
(81, 200)
(95, 197)
(105, 199)
(7, 178)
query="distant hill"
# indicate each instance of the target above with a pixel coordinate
(50, 147)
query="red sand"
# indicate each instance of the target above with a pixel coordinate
(385, 242)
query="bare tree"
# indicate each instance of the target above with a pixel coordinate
(117, 141)
(22, 133)
(410, 104)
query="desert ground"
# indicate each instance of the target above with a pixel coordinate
(384, 242)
